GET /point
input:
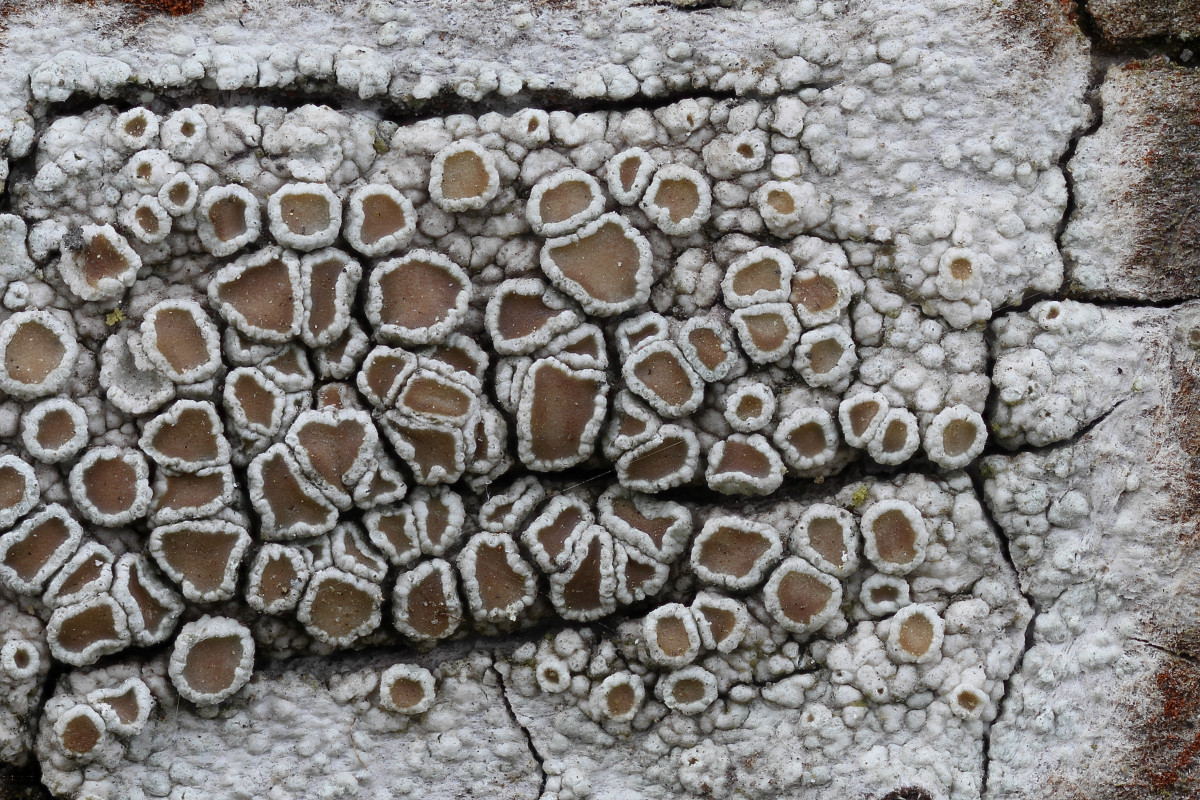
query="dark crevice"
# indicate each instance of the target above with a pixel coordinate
(1188, 657)
(1175, 48)
(977, 481)
(1025, 304)
(1084, 431)
(434, 652)
(25, 782)
(1064, 294)
(445, 103)
(1003, 544)
(20, 170)
(689, 8)
(1087, 24)
(1092, 98)
(1130, 302)
(1078, 436)
(533, 751)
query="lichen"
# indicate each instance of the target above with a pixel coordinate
(647, 378)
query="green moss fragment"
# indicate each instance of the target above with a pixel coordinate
(859, 497)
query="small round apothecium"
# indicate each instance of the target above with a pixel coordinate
(407, 689)
(212, 659)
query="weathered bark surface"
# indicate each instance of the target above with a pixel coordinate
(1133, 234)
(1122, 21)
